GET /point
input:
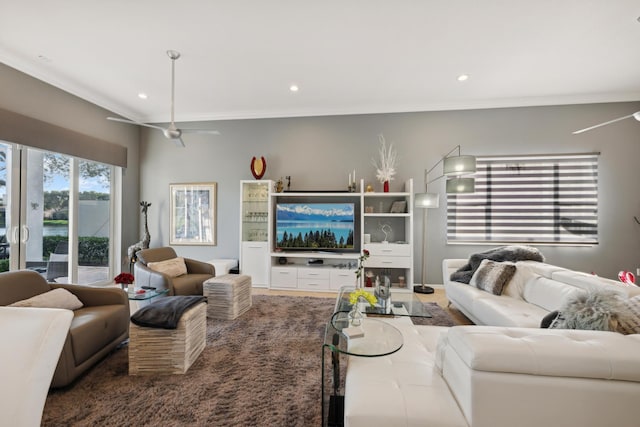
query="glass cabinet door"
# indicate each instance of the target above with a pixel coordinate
(255, 211)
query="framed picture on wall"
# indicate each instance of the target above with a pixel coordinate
(193, 214)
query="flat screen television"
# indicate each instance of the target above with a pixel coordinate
(323, 224)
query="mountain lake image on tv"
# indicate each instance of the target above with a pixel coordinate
(315, 226)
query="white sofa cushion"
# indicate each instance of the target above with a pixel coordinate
(515, 287)
(541, 268)
(550, 352)
(504, 377)
(590, 282)
(506, 311)
(398, 385)
(549, 294)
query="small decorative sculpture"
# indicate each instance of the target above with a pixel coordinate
(279, 186)
(258, 167)
(146, 238)
(386, 229)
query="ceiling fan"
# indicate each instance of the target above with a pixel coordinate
(172, 132)
(635, 115)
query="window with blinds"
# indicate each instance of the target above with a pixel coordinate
(528, 199)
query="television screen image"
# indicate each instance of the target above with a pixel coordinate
(315, 226)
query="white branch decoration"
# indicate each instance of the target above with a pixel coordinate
(387, 166)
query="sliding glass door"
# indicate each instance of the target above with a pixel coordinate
(57, 217)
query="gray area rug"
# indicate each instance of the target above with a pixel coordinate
(262, 369)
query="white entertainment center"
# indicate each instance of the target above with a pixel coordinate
(384, 227)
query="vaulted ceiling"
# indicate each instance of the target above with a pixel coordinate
(240, 58)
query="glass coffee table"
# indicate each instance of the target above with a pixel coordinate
(139, 300)
(147, 294)
(380, 339)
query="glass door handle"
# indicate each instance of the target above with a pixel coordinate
(15, 234)
(25, 234)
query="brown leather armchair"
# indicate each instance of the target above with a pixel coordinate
(186, 284)
(96, 329)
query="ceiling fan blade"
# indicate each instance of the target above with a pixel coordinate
(133, 122)
(203, 131)
(603, 124)
(179, 142)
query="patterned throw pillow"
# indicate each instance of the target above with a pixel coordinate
(492, 276)
(629, 321)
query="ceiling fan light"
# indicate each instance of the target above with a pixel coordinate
(459, 165)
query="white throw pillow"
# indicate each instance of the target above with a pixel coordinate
(172, 267)
(56, 298)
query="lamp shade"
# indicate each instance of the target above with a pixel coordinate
(459, 165)
(461, 185)
(427, 200)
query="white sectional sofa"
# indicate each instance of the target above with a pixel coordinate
(511, 373)
(535, 290)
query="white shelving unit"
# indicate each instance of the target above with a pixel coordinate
(255, 236)
(391, 249)
(391, 234)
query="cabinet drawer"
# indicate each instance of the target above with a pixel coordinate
(390, 249)
(284, 277)
(313, 284)
(388, 262)
(313, 273)
(342, 277)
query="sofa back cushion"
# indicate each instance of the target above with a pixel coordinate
(590, 282)
(549, 294)
(20, 285)
(156, 254)
(515, 287)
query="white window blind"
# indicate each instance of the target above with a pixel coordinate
(528, 199)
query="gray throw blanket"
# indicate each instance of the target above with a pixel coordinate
(504, 253)
(165, 312)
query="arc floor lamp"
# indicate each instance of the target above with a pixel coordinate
(454, 167)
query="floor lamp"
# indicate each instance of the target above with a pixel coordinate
(425, 201)
(455, 166)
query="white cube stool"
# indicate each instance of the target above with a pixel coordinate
(228, 296)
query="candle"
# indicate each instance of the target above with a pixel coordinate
(349, 179)
(354, 177)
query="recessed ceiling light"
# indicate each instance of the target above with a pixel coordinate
(294, 88)
(463, 77)
(142, 95)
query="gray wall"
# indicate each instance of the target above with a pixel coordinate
(31, 97)
(319, 152)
